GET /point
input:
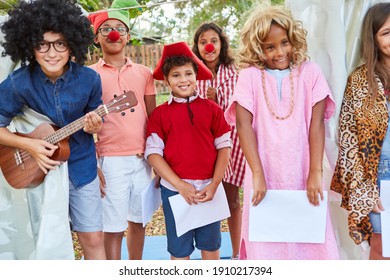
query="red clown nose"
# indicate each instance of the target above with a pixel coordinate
(209, 48)
(114, 36)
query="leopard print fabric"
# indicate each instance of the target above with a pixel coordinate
(362, 128)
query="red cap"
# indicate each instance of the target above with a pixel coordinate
(181, 48)
(97, 19)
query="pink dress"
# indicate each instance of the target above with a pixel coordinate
(282, 145)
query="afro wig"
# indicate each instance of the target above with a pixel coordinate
(29, 21)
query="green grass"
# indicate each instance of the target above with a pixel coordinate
(161, 97)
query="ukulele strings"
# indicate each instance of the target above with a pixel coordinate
(63, 132)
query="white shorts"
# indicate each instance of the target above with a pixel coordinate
(126, 177)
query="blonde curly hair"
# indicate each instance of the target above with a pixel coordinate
(256, 29)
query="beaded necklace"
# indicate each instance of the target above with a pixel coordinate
(267, 100)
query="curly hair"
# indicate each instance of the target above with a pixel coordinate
(256, 29)
(225, 56)
(28, 22)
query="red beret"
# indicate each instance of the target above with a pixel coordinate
(181, 48)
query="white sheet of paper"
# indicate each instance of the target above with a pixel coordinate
(151, 201)
(287, 216)
(385, 217)
(188, 217)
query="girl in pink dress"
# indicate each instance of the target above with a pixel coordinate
(212, 47)
(279, 106)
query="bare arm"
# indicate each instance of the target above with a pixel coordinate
(187, 190)
(248, 143)
(150, 103)
(39, 149)
(220, 167)
(316, 143)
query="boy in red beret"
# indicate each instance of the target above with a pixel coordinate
(121, 143)
(188, 145)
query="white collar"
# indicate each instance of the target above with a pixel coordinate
(181, 99)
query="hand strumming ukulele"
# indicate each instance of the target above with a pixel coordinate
(21, 170)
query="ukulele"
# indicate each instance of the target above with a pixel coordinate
(21, 170)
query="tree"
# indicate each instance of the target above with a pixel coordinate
(92, 5)
(5, 5)
(226, 13)
(188, 15)
(174, 20)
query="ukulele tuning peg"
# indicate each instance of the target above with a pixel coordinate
(123, 113)
(132, 110)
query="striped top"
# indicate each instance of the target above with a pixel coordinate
(225, 83)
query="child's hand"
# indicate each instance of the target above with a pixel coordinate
(314, 187)
(41, 151)
(158, 180)
(378, 207)
(189, 192)
(259, 189)
(92, 123)
(102, 183)
(207, 193)
(211, 94)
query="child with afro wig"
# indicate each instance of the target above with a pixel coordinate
(50, 39)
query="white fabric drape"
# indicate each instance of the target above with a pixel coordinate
(6, 65)
(34, 222)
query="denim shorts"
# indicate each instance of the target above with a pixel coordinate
(85, 207)
(383, 174)
(206, 238)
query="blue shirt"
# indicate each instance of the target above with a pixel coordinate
(74, 94)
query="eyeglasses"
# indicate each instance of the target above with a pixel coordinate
(106, 30)
(59, 46)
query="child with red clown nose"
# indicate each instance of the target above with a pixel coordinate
(98, 18)
(120, 146)
(211, 45)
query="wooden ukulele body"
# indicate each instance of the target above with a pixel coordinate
(20, 169)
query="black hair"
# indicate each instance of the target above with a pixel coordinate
(177, 60)
(28, 21)
(225, 56)
(180, 60)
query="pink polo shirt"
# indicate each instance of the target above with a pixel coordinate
(124, 135)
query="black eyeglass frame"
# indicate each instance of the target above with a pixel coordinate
(121, 30)
(39, 49)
